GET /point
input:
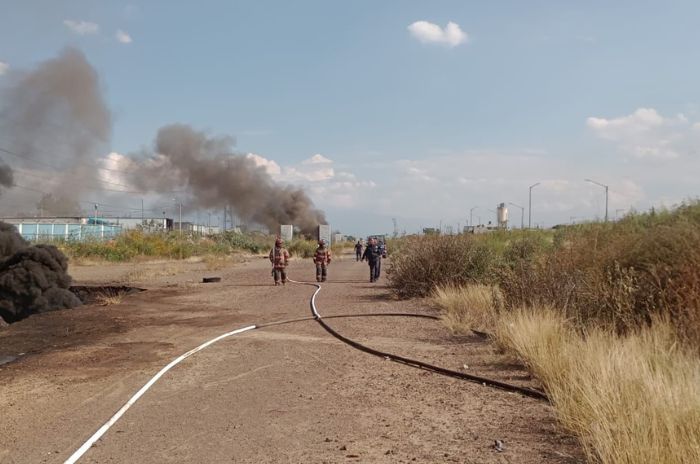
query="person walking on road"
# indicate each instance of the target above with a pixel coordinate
(322, 258)
(279, 257)
(358, 250)
(373, 255)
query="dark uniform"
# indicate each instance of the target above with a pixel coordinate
(373, 255)
(358, 251)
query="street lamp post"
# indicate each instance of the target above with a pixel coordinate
(529, 208)
(606, 195)
(180, 217)
(522, 214)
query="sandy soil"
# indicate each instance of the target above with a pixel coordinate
(289, 393)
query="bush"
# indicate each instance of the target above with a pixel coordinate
(133, 244)
(302, 248)
(424, 262)
(616, 275)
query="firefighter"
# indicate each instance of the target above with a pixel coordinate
(358, 250)
(279, 257)
(373, 255)
(322, 258)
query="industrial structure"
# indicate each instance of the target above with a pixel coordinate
(286, 232)
(324, 232)
(98, 228)
(502, 216)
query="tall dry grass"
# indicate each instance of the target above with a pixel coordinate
(633, 398)
(472, 307)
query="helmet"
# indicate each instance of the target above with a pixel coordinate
(279, 242)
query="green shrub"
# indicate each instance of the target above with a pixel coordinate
(422, 263)
(617, 275)
(133, 244)
(302, 248)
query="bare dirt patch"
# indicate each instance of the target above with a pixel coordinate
(289, 393)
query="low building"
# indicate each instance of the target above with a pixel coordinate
(64, 228)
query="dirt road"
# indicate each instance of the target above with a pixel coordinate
(289, 393)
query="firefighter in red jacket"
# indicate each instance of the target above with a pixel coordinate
(279, 257)
(322, 258)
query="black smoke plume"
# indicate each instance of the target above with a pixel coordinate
(55, 123)
(214, 176)
(33, 279)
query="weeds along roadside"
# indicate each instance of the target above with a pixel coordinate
(630, 398)
(133, 245)
(605, 315)
(615, 275)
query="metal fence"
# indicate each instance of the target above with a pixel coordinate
(67, 231)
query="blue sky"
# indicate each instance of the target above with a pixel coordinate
(408, 124)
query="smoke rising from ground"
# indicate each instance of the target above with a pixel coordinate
(33, 279)
(214, 176)
(55, 120)
(54, 117)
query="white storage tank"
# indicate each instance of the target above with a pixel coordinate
(502, 216)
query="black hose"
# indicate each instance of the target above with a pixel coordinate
(420, 364)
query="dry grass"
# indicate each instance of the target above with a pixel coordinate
(472, 307)
(142, 273)
(216, 262)
(630, 399)
(109, 299)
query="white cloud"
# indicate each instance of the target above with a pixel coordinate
(317, 159)
(272, 168)
(304, 173)
(81, 27)
(3, 67)
(328, 186)
(123, 37)
(646, 134)
(426, 32)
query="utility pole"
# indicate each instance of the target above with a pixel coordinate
(471, 221)
(606, 195)
(522, 214)
(529, 208)
(180, 219)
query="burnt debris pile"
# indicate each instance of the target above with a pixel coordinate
(33, 278)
